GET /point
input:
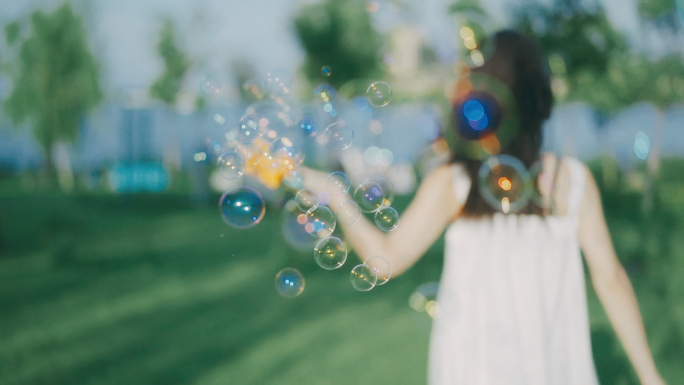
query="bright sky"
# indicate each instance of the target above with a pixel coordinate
(215, 32)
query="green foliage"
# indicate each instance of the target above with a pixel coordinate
(591, 61)
(57, 81)
(176, 64)
(338, 34)
(12, 32)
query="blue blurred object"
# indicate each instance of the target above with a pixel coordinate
(138, 177)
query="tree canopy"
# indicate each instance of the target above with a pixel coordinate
(176, 64)
(56, 80)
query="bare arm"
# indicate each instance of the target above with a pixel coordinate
(613, 286)
(432, 209)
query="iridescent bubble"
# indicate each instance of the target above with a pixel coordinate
(642, 145)
(242, 207)
(289, 282)
(209, 86)
(337, 183)
(339, 135)
(348, 213)
(308, 126)
(379, 94)
(231, 165)
(324, 93)
(363, 278)
(387, 219)
(285, 148)
(369, 196)
(306, 200)
(278, 82)
(330, 253)
(320, 222)
(248, 128)
(381, 267)
(326, 71)
(504, 183)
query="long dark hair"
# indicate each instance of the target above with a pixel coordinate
(517, 62)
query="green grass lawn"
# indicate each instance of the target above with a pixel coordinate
(151, 290)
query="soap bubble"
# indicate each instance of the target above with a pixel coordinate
(231, 165)
(306, 200)
(324, 93)
(369, 196)
(248, 128)
(348, 213)
(326, 71)
(209, 86)
(363, 278)
(242, 207)
(278, 82)
(504, 183)
(387, 219)
(330, 253)
(289, 282)
(308, 126)
(320, 222)
(379, 94)
(337, 183)
(339, 135)
(285, 148)
(381, 267)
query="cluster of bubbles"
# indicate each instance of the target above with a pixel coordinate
(267, 143)
(318, 221)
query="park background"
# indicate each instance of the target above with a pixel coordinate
(115, 265)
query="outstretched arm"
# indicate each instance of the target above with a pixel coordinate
(433, 207)
(613, 286)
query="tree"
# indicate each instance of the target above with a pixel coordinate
(340, 35)
(176, 64)
(56, 80)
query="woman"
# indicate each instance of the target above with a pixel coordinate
(512, 301)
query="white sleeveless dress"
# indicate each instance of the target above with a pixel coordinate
(512, 301)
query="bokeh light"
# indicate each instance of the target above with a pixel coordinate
(504, 183)
(642, 145)
(308, 126)
(326, 71)
(278, 82)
